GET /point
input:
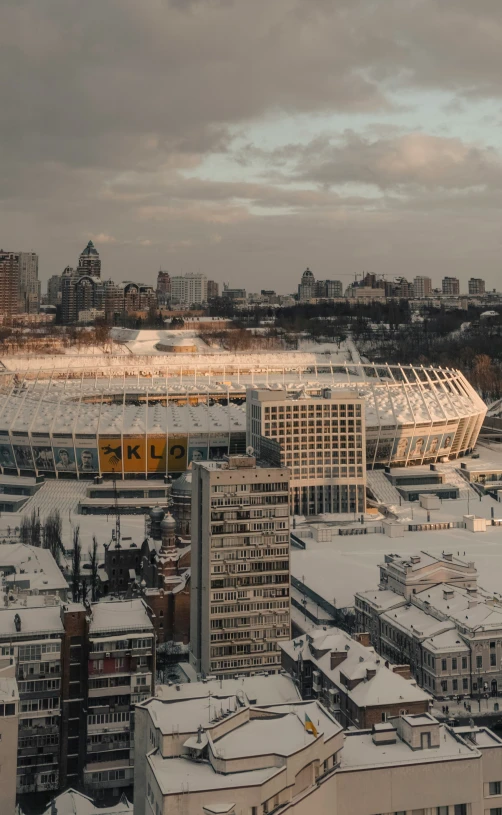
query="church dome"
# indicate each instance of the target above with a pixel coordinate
(168, 524)
(307, 275)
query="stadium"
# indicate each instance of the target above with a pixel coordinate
(72, 417)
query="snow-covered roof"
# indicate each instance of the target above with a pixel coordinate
(30, 567)
(119, 616)
(42, 620)
(360, 750)
(280, 736)
(381, 686)
(72, 802)
(256, 690)
(40, 393)
(177, 775)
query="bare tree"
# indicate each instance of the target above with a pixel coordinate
(76, 560)
(94, 581)
(24, 529)
(35, 529)
(52, 534)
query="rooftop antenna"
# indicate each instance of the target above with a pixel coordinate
(117, 511)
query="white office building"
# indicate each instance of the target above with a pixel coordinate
(320, 437)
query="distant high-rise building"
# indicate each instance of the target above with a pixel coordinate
(9, 283)
(89, 262)
(422, 286)
(54, 290)
(213, 289)
(189, 289)
(400, 288)
(240, 563)
(476, 286)
(29, 292)
(334, 288)
(163, 282)
(235, 295)
(306, 288)
(451, 286)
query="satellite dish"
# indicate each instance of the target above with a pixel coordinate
(250, 450)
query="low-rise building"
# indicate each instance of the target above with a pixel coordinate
(348, 676)
(429, 612)
(224, 755)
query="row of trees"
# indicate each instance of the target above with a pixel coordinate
(84, 582)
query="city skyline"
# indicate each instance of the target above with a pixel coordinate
(360, 140)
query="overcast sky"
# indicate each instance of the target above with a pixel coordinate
(251, 138)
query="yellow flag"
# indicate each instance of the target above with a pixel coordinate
(309, 725)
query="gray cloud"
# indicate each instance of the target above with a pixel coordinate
(110, 109)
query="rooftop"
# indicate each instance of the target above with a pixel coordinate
(176, 775)
(72, 802)
(43, 620)
(383, 688)
(119, 616)
(360, 751)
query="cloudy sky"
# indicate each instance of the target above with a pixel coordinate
(251, 138)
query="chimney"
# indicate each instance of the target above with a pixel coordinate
(363, 638)
(415, 559)
(448, 556)
(370, 673)
(337, 658)
(402, 670)
(448, 594)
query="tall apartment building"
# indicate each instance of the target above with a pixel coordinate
(476, 286)
(33, 638)
(9, 730)
(422, 286)
(450, 286)
(54, 290)
(213, 290)
(163, 289)
(29, 287)
(240, 604)
(320, 436)
(189, 289)
(89, 262)
(121, 670)
(9, 283)
(163, 282)
(333, 288)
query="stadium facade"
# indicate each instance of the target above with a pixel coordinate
(146, 417)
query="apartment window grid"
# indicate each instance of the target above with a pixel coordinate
(322, 445)
(249, 566)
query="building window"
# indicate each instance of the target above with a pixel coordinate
(443, 664)
(465, 684)
(444, 685)
(464, 663)
(493, 659)
(460, 809)
(441, 810)
(494, 788)
(454, 684)
(496, 811)
(454, 664)
(479, 661)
